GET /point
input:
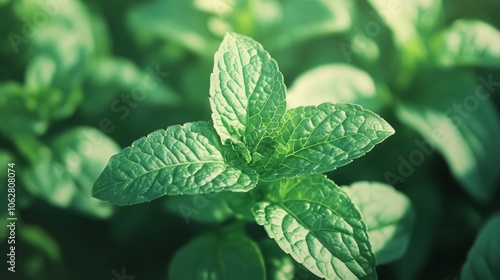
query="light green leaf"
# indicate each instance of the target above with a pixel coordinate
(335, 83)
(185, 159)
(484, 256)
(321, 139)
(247, 93)
(210, 257)
(468, 42)
(315, 222)
(456, 116)
(218, 7)
(388, 227)
(66, 169)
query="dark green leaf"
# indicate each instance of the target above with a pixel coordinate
(458, 118)
(210, 257)
(335, 83)
(484, 256)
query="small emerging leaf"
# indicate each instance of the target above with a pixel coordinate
(185, 159)
(247, 93)
(315, 222)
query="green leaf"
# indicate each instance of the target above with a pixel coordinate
(458, 118)
(247, 93)
(217, 7)
(210, 257)
(167, 20)
(111, 79)
(207, 208)
(66, 169)
(484, 256)
(410, 23)
(41, 76)
(43, 253)
(408, 19)
(296, 21)
(278, 264)
(468, 42)
(185, 159)
(335, 83)
(323, 138)
(428, 204)
(63, 46)
(315, 222)
(41, 241)
(388, 227)
(28, 111)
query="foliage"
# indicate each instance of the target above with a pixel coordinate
(83, 79)
(308, 215)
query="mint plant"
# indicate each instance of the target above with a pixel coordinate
(255, 145)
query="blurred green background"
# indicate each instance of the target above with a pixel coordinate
(79, 80)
